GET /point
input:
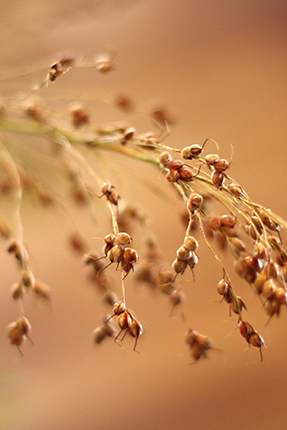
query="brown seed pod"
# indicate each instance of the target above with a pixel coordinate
(110, 193)
(17, 291)
(259, 281)
(217, 178)
(28, 279)
(227, 221)
(135, 329)
(214, 223)
(236, 190)
(185, 174)
(42, 290)
(251, 336)
(110, 242)
(260, 250)
(253, 263)
(269, 288)
(115, 254)
(80, 116)
(172, 176)
(223, 287)
(105, 62)
(186, 153)
(190, 243)
(195, 201)
(237, 244)
(192, 260)
(165, 158)
(55, 71)
(179, 266)
(183, 253)
(210, 159)
(123, 238)
(175, 165)
(237, 305)
(221, 165)
(198, 343)
(176, 297)
(130, 257)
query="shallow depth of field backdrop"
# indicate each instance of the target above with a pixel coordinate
(221, 69)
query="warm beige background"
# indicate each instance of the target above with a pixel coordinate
(221, 67)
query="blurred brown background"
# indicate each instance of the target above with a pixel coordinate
(221, 68)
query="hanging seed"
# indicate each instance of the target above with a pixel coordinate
(185, 174)
(172, 176)
(176, 297)
(221, 165)
(190, 243)
(183, 253)
(17, 291)
(210, 159)
(28, 279)
(236, 190)
(268, 289)
(259, 282)
(259, 250)
(214, 223)
(217, 178)
(175, 165)
(223, 287)
(115, 254)
(237, 305)
(227, 221)
(237, 244)
(123, 239)
(186, 153)
(179, 266)
(165, 158)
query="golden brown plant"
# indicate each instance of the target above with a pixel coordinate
(217, 208)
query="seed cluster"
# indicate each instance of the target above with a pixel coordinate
(215, 206)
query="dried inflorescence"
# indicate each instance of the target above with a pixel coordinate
(217, 209)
